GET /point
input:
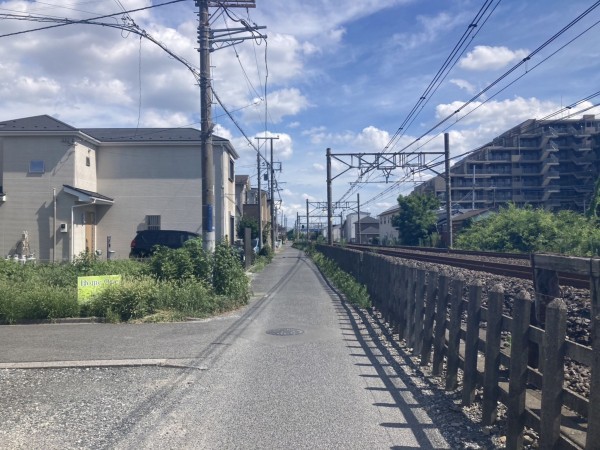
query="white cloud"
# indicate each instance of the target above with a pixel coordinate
(484, 57)
(464, 84)
(431, 27)
(319, 167)
(282, 103)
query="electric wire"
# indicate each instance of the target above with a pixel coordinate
(84, 21)
(511, 70)
(451, 60)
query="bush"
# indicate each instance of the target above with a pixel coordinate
(129, 300)
(229, 278)
(182, 282)
(25, 301)
(355, 292)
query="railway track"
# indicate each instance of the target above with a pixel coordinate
(516, 265)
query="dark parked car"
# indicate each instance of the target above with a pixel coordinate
(144, 242)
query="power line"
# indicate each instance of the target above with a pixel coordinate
(506, 74)
(81, 21)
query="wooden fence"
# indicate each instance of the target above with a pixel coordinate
(440, 319)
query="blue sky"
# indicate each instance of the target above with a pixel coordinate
(341, 74)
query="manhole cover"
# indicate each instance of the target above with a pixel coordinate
(285, 331)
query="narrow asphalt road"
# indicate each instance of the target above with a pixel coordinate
(290, 370)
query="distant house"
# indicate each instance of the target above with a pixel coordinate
(251, 206)
(366, 230)
(348, 231)
(77, 189)
(460, 219)
(387, 233)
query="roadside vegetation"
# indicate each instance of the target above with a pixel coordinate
(171, 285)
(529, 230)
(511, 229)
(354, 292)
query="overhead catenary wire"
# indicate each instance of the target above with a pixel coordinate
(507, 73)
(435, 162)
(459, 48)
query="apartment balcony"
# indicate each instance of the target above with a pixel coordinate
(549, 165)
(550, 149)
(547, 196)
(582, 175)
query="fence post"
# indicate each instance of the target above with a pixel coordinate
(472, 343)
(454, 334)
(402, 302)
(432, 286)
(593, 431)
(553, 367)
(396, 283)
(440, 325)
(492, 355)
(517, 386)
(410, 307)
(419, 310)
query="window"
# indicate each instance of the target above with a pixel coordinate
(36, 166)
(87, 161)
(153, 222)
(231, 170)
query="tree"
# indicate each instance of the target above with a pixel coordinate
(528, 230)
(416, 219)
(247, 222)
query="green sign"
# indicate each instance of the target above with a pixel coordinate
(87, 287)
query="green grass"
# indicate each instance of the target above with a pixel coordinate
(184, 283)
(354, 292)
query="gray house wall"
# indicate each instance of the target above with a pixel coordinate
(153, 179)
(29, 197)
(160, 176)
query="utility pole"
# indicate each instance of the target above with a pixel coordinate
(259, 203)
(205, 39)
(448, 188)
(206, 126)
(271, 186)
(329, 198)
(358, 203)
(307, 222)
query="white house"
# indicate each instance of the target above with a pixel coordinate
(387, 233)
(87, 189)
(349, 230)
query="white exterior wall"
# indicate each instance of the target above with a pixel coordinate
(150, 179)
(386, 230)
(143, 178)
(350, 228)
(224, 194)
(29, 197)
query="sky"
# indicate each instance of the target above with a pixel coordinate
(367, 76)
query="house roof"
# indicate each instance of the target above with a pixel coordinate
(392, 210)
(88, 196)
(369, 230)
(242, 179)
(45, 123)
(35, 123)
(368, 219)
(145, 134)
